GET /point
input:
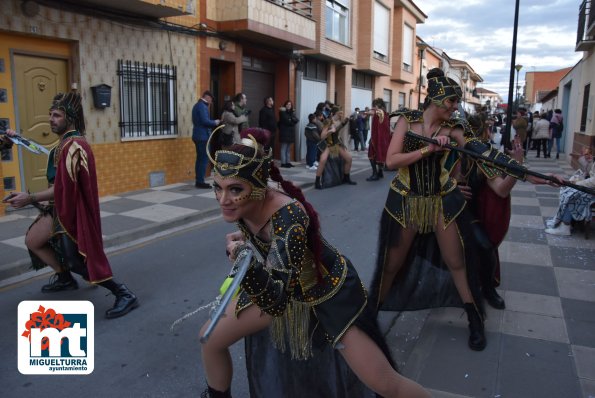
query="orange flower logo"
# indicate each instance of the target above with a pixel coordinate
(43, 319)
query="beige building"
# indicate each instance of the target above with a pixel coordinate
(139, 54)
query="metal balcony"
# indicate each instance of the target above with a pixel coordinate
(585, 37)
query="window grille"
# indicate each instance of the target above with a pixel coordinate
(148, 100)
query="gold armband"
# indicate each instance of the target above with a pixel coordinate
(424, 151)
(32, 198)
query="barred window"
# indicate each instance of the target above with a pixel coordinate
(148, 100)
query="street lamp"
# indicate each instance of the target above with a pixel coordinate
(518, 68)
(422, 50)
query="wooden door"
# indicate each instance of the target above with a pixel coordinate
(38, 80)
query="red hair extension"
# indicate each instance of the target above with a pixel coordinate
(313, 232)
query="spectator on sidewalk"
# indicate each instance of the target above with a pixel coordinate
(541, 133)
(365, 118)
(239, 101)
(67, 234)
(520, 125)
(312, 139)
(556, 128)
(231, 131)
(202, 125)
(355, 130)
(287, 122)
(267, 120)
(574, 204)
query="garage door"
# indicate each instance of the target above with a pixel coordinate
(256, 86)
(312, 93)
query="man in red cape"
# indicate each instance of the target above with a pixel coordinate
(74, 242)
(379, 140)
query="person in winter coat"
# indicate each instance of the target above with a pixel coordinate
(556, 127)
(267, 120)
(287, 122)
(231, 131)
(541, 133)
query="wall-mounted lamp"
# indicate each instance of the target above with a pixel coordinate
(222, 45)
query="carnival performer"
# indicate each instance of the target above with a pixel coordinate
(488, 199)
(379, 140)
(297, 285)
(424, 221)
(332, 149)
(67, 234)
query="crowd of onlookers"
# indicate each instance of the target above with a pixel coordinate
(327, 123)
(535, 131)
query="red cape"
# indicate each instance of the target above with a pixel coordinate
(77, 204)
(380, 138)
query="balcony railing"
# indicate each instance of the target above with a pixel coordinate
(585, 36)
(301, 7)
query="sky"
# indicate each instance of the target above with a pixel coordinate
(480, 33)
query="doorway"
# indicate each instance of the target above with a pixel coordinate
(38, 80)
(222, 85)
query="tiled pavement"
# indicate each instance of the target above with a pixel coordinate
(542, 345)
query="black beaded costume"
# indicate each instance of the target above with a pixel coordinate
(312, 303)
(287, 286)
(418, 195)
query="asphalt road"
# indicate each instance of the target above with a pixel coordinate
(138, 355)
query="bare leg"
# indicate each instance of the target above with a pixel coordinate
(451, 250)
(37, 241)
(347, 159)
(394, 261)
(215, 352)
(322, 162)
(371, 366)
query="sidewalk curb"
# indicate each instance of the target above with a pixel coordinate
(20, 270)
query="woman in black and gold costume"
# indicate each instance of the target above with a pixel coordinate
(424, 222)
(331, 149)
(298, 285)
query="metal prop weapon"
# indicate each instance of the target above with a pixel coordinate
(28, 144)
(503, 164)
(220, 310)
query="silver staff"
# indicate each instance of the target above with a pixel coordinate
(220, 311)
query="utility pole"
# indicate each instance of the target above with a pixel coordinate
(506, 135)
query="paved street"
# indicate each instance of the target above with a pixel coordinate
(542, 345)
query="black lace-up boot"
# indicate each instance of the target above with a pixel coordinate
(126, 301)
(60, 281)
(477, 339)
(374, 176)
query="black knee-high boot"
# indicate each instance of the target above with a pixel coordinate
(380, 171)
(374, 176)
(477, 339)
(317, 183)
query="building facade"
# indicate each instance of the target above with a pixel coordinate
(136, 52)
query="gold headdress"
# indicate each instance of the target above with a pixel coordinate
(253, 168)
(441, 88)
